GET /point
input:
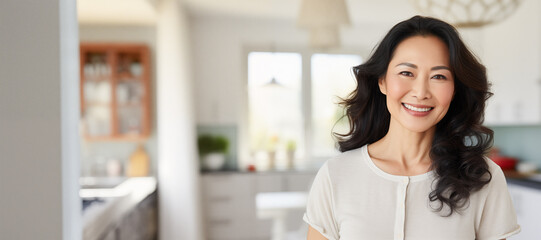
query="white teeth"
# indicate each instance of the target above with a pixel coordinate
(416, 108)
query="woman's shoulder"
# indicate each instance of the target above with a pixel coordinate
(348, 156)
(497, 177)
(494, 169)
(351, 160)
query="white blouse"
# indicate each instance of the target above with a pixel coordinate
(352, 199)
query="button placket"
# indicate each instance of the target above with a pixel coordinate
(401, 208)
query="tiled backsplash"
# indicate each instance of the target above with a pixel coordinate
(522, 142)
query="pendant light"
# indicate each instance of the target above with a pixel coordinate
(323, 18)
(273, 82)
(468, 13)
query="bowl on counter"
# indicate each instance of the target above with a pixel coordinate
(526, 167)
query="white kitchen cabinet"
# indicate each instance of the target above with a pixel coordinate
(512, 54)
(269, 182)
(527, 202)
(298, 182)
(227, 205)
(229, 202)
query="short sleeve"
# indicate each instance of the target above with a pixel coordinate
(320, 211)
(498, 220)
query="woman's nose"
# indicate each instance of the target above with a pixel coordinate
(420, 88)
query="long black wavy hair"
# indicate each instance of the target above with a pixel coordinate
(460, 141)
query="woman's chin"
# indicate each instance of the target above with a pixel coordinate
(418, 127)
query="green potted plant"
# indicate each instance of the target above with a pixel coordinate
(212, 150)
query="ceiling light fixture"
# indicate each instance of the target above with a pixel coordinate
(468, 13)
(323, 19)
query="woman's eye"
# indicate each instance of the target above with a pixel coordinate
(439, 76)
(406, 73)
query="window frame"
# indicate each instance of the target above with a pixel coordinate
(310, 161)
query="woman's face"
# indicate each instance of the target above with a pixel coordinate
(418, 84)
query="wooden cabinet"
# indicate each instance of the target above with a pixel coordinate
(229, 203)
(115, 91)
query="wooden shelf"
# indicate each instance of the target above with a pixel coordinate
(127, 105)
(98, 79)
(102, 104)
(127, 77)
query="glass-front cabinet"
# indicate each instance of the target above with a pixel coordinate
(115, 91)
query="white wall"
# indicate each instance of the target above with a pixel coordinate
(513, 59)
(39, 146)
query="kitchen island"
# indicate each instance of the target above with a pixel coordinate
(125, 211)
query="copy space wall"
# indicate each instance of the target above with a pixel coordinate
(39, 111)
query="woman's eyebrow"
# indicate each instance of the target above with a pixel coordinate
(411, 65)
(441, 67)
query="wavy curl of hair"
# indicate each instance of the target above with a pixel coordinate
(460, 140)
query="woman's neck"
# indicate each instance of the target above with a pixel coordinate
(402, 150)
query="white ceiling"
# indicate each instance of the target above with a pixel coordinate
(130, 12)
(144, 11)
(361, 11)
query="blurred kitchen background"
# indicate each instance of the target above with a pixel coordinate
(208, 119)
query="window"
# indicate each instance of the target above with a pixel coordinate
(332, 79)
(283, 115)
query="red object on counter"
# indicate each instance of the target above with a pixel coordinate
(506, 163)
(251, 168)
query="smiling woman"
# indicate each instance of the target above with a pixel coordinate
(414, 155)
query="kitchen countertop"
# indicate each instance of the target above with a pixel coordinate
(272, 171)
(100, 216)
(532, 180)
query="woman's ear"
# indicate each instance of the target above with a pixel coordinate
(382, 85)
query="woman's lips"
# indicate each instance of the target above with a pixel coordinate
(417, 110)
